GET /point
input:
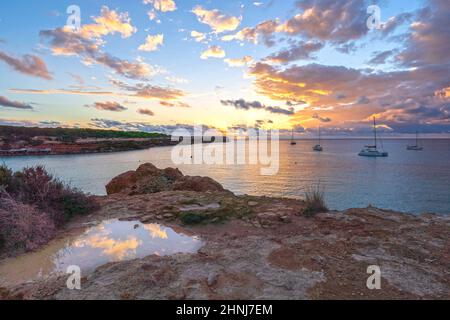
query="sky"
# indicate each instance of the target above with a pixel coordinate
(155, 65)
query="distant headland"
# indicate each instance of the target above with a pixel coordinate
(26, 141)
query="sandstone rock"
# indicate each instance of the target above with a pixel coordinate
(149, 179)
(121, 182)
(199, 184)
(173, 174)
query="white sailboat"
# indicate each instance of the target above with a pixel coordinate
(318, 147)
(372, 151)
(415, 147)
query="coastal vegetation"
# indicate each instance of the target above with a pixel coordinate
(33, 205)
(74, 133)
(20, 141)
(314, 201)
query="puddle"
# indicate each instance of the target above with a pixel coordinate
(109, 241)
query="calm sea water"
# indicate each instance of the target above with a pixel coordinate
(410, 181)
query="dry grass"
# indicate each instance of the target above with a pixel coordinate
(314, 201)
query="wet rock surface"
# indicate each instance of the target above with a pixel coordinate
(263, 248)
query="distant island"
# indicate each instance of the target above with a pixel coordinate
(20, 141)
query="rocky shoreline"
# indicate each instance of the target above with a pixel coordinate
(257, 248)
(87, 147)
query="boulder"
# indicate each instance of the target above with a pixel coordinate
(149, 179)
(198, 184)
(121, 182)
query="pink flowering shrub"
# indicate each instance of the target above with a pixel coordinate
(22, 227)
(33, 204)
(36, 187)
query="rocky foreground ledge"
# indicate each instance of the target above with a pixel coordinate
(258, 248)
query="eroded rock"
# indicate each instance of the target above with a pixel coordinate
(149, 179)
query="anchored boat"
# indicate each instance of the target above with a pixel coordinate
(415, 147)
(318, 147)
(293, 143)
(372, 151)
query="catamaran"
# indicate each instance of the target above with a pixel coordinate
(318, 147)
(372, 151)
(293, 143)
(415, 147)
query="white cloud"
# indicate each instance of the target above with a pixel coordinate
(152, 43)
(162, 5)
(213, 52)
(198, 36)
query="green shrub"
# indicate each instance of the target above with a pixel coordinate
(192, 218)
(5, 176)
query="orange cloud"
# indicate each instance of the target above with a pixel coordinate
(109, 22)
(444, 93)
(218, 21)
(264, 30)
(246, 60)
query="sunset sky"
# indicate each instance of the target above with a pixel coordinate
(152, 65)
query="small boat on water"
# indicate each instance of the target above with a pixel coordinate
(318, 147)
(372, 151)
(293, 143)
(415, 147)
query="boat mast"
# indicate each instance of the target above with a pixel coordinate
(417, 138)
(375, 131)
(319, 135)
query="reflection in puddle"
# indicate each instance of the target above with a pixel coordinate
(110, 241)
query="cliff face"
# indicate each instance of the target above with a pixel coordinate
(261, 248)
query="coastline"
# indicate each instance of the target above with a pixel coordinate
(78, 148)
(256, 247)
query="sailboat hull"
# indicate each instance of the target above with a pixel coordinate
(318, 148)
(414, 148)
(373, 153)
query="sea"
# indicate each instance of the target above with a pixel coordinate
(408, 181)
